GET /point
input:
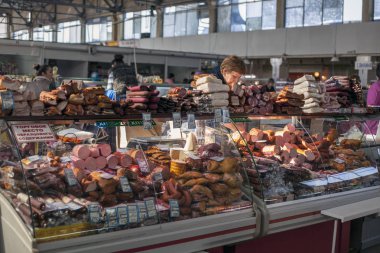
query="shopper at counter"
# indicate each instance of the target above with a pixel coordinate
(230, 70)
(373, 99)
(270, 85)
(44, 78)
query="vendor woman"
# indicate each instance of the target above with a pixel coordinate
(230, 71)
(373, 99)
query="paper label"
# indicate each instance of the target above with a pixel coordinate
(142, 210)
(32, 133)
(226, 115)
(157, 176)
(56, 206)
(218, 115)
(124, 184)
(34, 158)
(338, 160)
(217, 158)
(174, 208)
(133, 216)
(177, 122)
(147, 121)
(143, 165)
(190, 121)
(106, 175)
(6, 101)
(111, 216)
(70, 177)
(150, 207)
(73, 206)
(94, 213)
(122, 215)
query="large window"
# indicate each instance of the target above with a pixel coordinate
(318, 12)
(190, 19)
(376, 7)
(246, 15)
(44, 33)
(141, 24)
(99, 29)
(3, 25)
(69, 32)
(21, 35)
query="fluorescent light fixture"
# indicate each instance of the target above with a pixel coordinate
(334, 58)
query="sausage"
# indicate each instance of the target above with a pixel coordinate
(112, 161)
(290, 128)
(284, 134)
(77, 162)
(105, 149)
(139, 100)
(94, 151)
(292, 151)
(81, 151)
(125, 160)
(256, 134)
(279, 141)
(271, 150)
(138, 88)
(90, 163)
(101, 162)
(263, 110)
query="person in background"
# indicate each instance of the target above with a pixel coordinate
(230, 71)
(373, 99)
(270, 86)
(191, 76)
(170, 79)
(44, 78)
(116, 62)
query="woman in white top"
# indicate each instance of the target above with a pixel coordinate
(44, 78)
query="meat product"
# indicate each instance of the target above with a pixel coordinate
(290, 149)
(139, 106)
(77, 162)
(290, 128)
(81, 151)
(136, 154)
(279, 141)
(200, 181)
(112, 161)
(252, 101)
(138, 88)
(101, 162)
(301, 158)
(284, 134)
(139, 99)
(125, 160)
(263, 110)
(105, 149)
(190, 175)
(76, 99)
(266, 96)
(79, 173)
(61, 106)
(256, 134)
(138, 94)
(296, 162)
(90, 163)
(271, 150)
(213, 178)
(269, 135)
(219, 189)
(89, 186)
(229, 165)
(285, 156)
(308, 154)
(154, 99)
(231, 180)
(94, 151)
(153, 106)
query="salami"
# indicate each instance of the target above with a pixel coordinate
(105, 149)
(101, 162)
(112, 161)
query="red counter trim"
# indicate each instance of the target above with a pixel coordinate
(298, 216)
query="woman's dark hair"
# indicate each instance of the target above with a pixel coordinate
(40, 69)
(271, 80)
(117, 59)
(378, 70)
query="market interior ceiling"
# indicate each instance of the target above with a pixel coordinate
(35, 13)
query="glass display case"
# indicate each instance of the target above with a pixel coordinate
(70, 178)
(303, 157)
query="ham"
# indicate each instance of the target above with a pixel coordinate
(94, 151)
(284, 134)
(90, 163)
(77, 162)
(81, 151)
(271, 150)
(101, 162)
(112, 161)
(105, 149)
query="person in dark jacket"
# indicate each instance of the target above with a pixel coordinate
(230, 71)
(270, 86)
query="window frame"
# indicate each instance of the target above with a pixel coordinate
(135, 15)
(91, 23)
(65, 26)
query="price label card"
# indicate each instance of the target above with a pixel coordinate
(122, 215)
(142, 210)
(190, 121)
(33, 133)
(226, 115)
(157, 176)
(70, 177)
(174, 208)
(133, 213)
(94, 213)
(147, 121)
(150, 207)
(7, 100)
(177, 122)
(111, 216)
(124, 184)
(218, 116)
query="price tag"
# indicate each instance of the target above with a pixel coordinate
(218, 116)
(142, 210)
(73, 206)
(122, 215)
(190, 121)
(111, 216)
(133, 216)
(157, 176)
(70, 177)
(143, 165)
(177, 122)
(7, 102)
(124, 184)
(150, 207)
(174, 208)
(147, 121)
(226, 115)
(94, 213)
